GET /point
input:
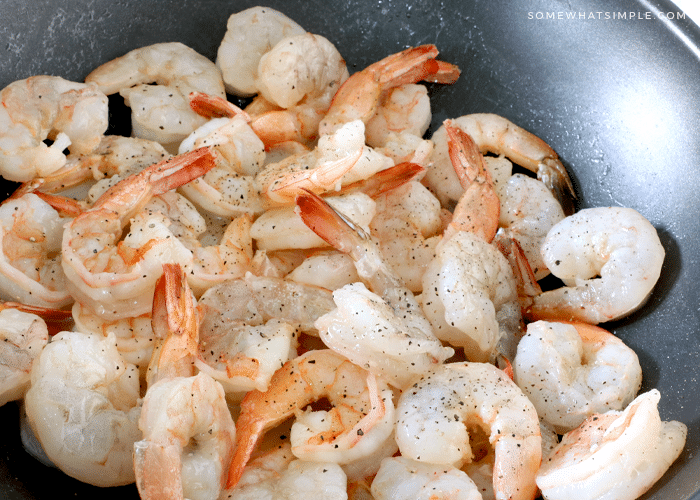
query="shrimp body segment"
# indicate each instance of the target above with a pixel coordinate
(22, 338)
(73, 115)
(571, 371)
(614, 455)
(116, 278)
(360, 422)
(434, 417)
(609, 258)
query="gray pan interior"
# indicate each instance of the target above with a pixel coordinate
(617, 98)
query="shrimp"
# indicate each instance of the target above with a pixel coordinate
(115, 278)
(609, 258)
(571, 371)
(83, 407)
(339, 159)
(282, 228)
(188, 431)
(400, 478)
(73, 115)
(359, 96)
(469, 293)
(23, 336)
(328, 269)
(229, 189)
(383, 329)
(436, 413)
(408, 224)
(30, 243)
(614, 455)
(297, 79)
(160, 112)
(495, 134)
(217, 254)
(250, 33)
(113, 159)
(528, 212)
(360, 422)
(277, 474)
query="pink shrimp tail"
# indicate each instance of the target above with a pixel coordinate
(210, 106)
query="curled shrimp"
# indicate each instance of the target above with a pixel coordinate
(383, 329)
(495, 134)
(339, 159)
(469, 289)
(160, 112)
(359, 97)
(115, 278)
(296, 79)
(400, 478)
(617, 454)
(83, 407)
(436, 414)
(250, 34)
(360, 422)
(229, 189)
(571, 371)
(30, 244)
(609, 258)
(188, 431)
(72, 115)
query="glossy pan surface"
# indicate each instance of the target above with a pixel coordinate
(613, 89)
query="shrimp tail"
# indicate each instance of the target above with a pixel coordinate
(553, 174)
(210, 106)
(479, 208)
(387, 179)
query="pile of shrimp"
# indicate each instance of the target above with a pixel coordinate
(306, 296)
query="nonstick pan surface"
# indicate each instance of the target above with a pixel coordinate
(613, 89)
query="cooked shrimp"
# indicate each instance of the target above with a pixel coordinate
(30, 244)
(609, 258)
(571, 371)
(23, 336)
(278, 475)
(614, 455)
(436, 413)
(469, 293)
(188, 431)
(408, 224)
(297, 78)
(115, 278)
(73, 115)
(400, 478)
(229, 189)
(250, 33)
(217, 256)
(282, 228)
(359, 96)
(339, 159)
(528, 212)
(360, 422)
(114, 158)
(402, 109)
(160, 112)
(82, 406)
(391, 337)
(495, 134)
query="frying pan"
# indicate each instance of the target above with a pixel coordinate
(614, 90)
